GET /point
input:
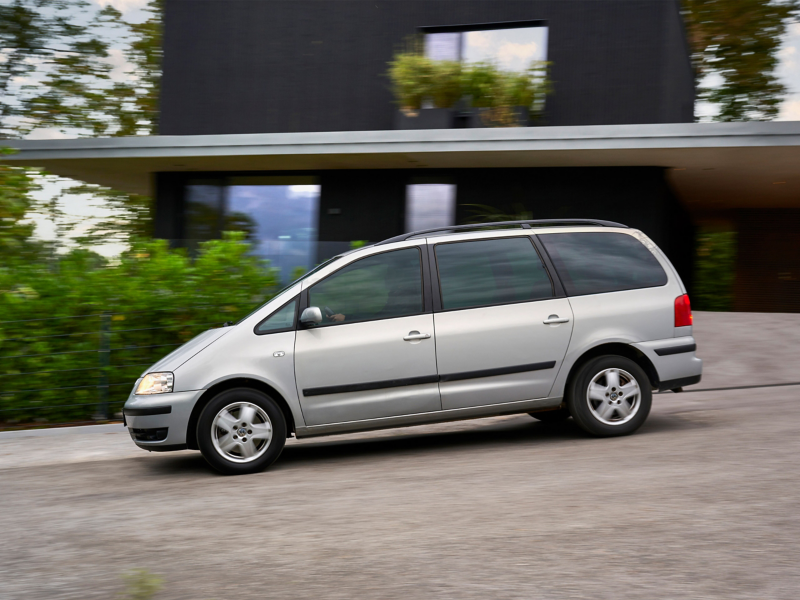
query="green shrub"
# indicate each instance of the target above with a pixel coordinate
(55, 316)
(447, 86)
(715, 271)
(412, 75)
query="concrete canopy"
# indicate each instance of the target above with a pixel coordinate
(713, 166)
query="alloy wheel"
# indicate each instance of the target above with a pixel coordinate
(241, 432)
(613, 396)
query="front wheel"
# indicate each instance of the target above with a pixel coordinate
(611, 395)
(241, 431)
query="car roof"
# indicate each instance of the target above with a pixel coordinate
(529, 224)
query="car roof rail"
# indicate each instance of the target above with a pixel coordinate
(522, 224)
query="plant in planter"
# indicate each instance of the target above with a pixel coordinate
(429, 90)
(426, 91)
(412, 80)
(505, 98)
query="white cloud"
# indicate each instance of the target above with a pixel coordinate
(512, 52)
(300, 191)
(794, 29)
(123, 5)
(122, 69)
(47, 134)
(479, 39)
(787, 51)
(790, 109)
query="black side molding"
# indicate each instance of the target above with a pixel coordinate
(676, 349)
(371, 385)
(673, 384)
(392, 383)
(501, 371)
(147, 411)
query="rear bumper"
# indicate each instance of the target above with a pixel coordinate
(675, 361)
(147, 418)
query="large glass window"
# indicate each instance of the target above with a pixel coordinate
(277, 214)
(382, 286)
(511, 47)
(486, 272)
(592, 263)
(430, 205)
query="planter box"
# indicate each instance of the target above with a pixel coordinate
(426, 118)
(479, 117)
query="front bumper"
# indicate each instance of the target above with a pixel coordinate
(148, 416)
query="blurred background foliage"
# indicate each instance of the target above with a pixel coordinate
(59, 313)
(738, 41)
(715, 269)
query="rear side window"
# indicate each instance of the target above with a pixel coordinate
(597, 262)
(487, 272)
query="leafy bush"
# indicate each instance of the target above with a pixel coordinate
(412, 76)
(447, 88)
(715, 271)
(56, 316)
(417, 79)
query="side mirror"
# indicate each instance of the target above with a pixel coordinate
(311, 316)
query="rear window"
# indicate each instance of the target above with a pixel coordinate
(597, 262)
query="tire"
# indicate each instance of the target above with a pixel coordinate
(598, 409)
(227, 421)
(552, 416)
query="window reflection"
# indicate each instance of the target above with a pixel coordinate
(512, 48)
(383, 286)
(277, 215)
(430, 205)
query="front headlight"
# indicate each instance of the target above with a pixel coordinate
(155, 383)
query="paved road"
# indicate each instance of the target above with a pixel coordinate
(702, 503)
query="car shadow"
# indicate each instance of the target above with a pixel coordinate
(522, 430)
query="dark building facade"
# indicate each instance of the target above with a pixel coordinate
(269, 66)
(278, 66)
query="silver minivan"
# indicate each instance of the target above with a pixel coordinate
(559, 319)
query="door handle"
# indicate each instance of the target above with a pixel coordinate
(553, 319)
(416, 335)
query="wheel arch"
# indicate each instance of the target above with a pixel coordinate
(227, 384)
(620, 349)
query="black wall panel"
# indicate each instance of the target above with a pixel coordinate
(252, 66)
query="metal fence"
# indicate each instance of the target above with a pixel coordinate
(84, 369)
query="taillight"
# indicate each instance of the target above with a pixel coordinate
(683, 311)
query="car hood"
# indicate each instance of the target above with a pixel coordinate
(180, 355)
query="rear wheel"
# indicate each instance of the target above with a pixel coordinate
(241, 431)
(611, 395)
(552, 416)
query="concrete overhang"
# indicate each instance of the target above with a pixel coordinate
(712, 166)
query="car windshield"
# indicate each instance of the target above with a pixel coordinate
(301, 278)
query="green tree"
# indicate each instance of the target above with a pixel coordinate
(57, 69)
(739, 40)
(62, 49)
(16, 185)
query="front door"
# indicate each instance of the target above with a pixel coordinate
(373, 355)
(501, 335)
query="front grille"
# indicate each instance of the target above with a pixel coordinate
(149, 435)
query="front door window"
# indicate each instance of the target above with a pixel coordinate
(383, 286)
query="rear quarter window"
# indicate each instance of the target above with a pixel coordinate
(597, 262)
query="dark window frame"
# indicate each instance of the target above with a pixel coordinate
(489, 26)
(424, 281)
(646, 287)
(274, 312)
(555, 284)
